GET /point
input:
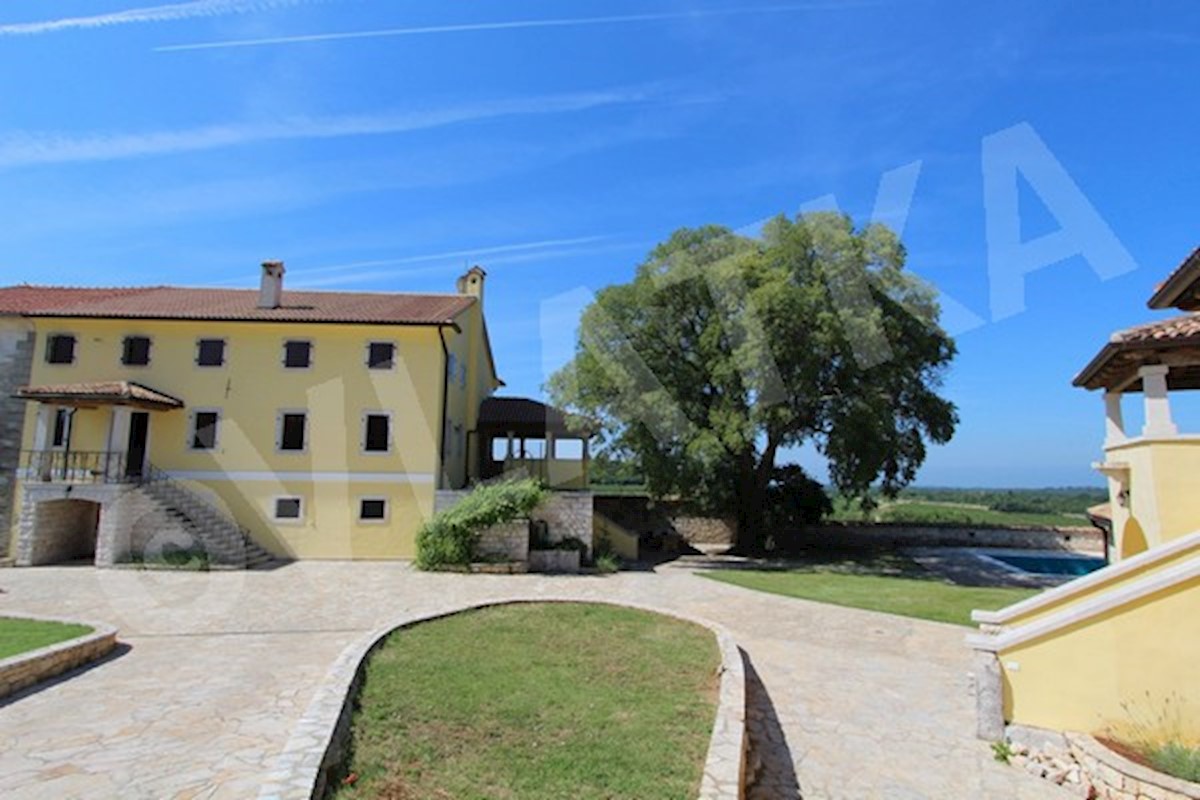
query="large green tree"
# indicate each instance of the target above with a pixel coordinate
(724, 349)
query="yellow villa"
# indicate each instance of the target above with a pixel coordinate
(1122, 643)
(249, 424)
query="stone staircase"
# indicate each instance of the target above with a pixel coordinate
(227, 544)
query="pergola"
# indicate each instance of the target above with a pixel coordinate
(519, 420)
(1154, 359)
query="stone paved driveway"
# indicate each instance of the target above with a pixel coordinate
(218, 667)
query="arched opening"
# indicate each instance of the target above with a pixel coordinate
(65, 531)
(1133, 539)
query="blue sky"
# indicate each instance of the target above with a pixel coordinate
(555, 143)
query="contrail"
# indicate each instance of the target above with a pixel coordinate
(569, 22)
(164, 13)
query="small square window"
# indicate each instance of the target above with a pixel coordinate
(297, 355)
(204, 431)
(381, 355)
(288, 507)
(377, 433)
(292, 431)
(136, 351)
(60, 349)
(210, 353)
(372, 509)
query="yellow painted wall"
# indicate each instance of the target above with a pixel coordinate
(250, 390)
(1164, 489)
(1139, 654)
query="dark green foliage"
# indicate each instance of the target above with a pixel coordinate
(724, 349)
(449, 538)
(1177, 759)
(794, 499)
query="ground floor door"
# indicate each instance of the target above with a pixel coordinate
(139, 434)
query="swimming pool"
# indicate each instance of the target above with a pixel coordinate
(1051, 564)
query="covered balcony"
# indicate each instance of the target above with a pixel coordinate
(522, 436)
(91, 432)
(1153, 471)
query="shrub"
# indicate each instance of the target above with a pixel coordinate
(449, 538)
(1154, 729)
(607, 563)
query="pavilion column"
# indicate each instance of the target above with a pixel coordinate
(1114, 419)
(508, 453)
(1158, 405)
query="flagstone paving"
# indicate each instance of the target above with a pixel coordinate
(219, 667)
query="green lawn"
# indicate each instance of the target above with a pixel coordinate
(536, 702)
(20, 635)
(909, 597)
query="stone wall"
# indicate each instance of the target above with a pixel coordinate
(566, 514)
(508, 541)
(67, 531)
(1087, 768)
(1084, 540)
(16, 360)
(641, 515)
(130, 521)
(26, 669)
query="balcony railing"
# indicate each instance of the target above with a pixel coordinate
(60, 466)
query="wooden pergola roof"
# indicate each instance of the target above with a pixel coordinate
(1174, 342)
(530, 418)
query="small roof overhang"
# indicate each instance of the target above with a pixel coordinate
(1174, 342)
(101, 393)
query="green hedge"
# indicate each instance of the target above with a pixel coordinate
(448, 539)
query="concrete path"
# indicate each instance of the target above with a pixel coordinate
(218, 667)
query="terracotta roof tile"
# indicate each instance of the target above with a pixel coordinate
(109, 392)
(169, 302)
(1180, 288)
(1175, 329)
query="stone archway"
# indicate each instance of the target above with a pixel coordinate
(64, 530)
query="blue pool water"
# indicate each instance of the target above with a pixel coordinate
(1052, 565)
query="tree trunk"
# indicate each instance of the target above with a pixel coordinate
(754, 475)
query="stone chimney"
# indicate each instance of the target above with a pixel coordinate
(471, 282)
(270, 291)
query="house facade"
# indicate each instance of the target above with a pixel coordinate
(252, 424)
(1120, 644)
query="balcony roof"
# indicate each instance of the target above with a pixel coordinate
(100, 393)
(530, 418)
(1175, 342)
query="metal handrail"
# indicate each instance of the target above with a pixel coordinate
(73, 466)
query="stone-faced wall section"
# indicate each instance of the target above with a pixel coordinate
(26, 669)
(16, 361)
(566, 514)
(508, 541)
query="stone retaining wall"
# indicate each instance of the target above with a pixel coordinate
(566, 514)
(318, 745)
(1081, 764)
(26, 669)
(16, 360)
(508, 541)
(1084, 540)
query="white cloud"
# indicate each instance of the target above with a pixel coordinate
(26, 149)
(163, 13)
(568, 22)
